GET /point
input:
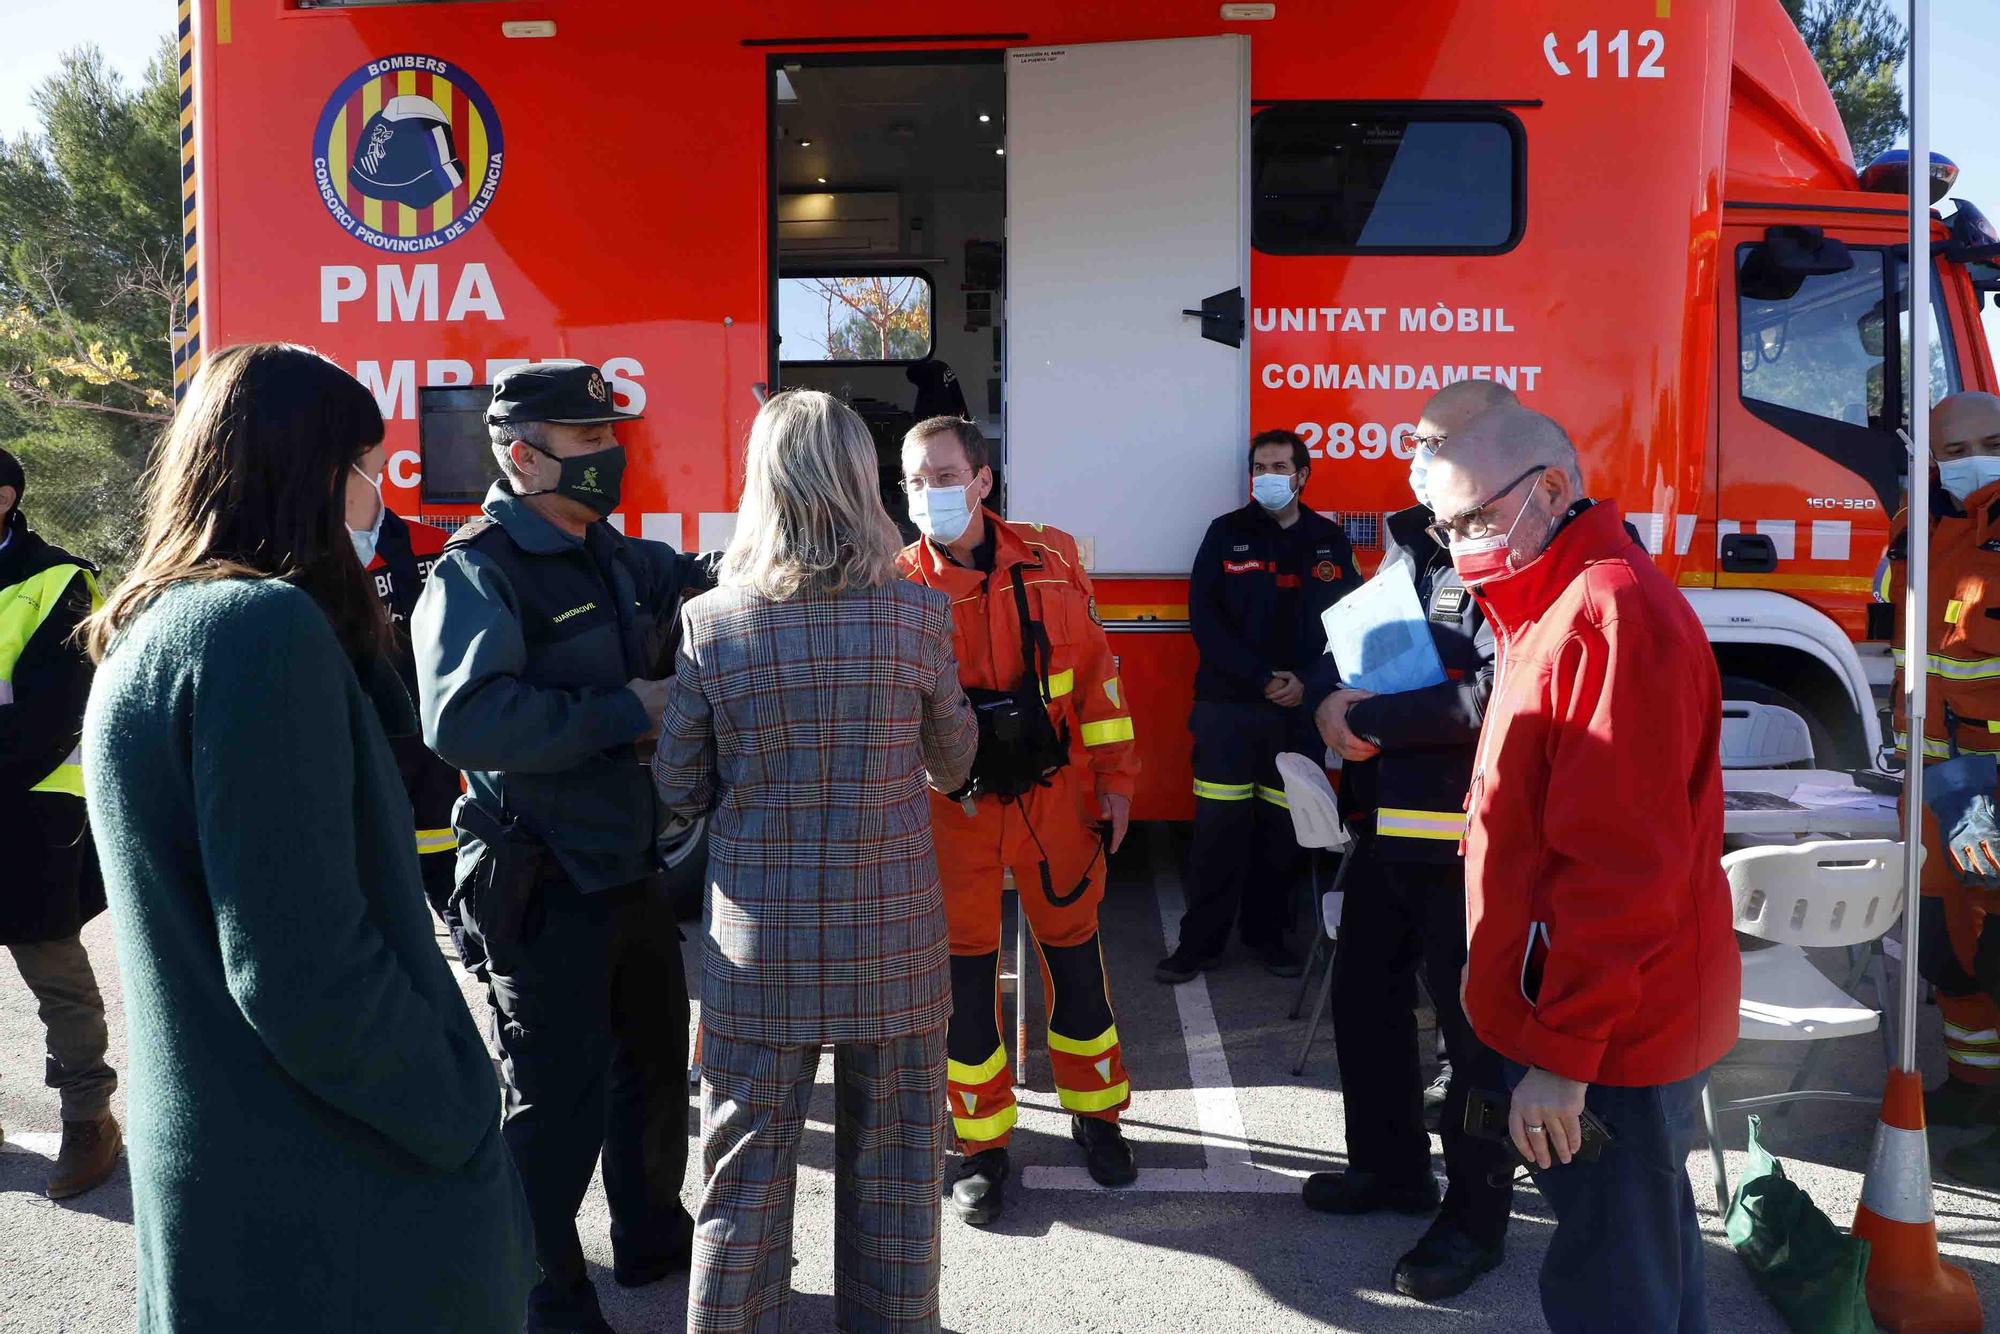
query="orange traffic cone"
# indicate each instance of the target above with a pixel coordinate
(1911, 1290)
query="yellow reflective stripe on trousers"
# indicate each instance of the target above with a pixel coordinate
(1965, 1037)
(979, 1128)
(1108, 732)
(1061, 683)
(1094, 1100)
(1224, 791)
(958, 1072)
(1274, 795)
(1956, 669)
(1444, 825)
(1096, 1046)
(435, 840)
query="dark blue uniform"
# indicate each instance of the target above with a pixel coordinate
(1254, 599)
(1405, 903)
(525, 637)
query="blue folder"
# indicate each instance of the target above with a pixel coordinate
(1379, 638)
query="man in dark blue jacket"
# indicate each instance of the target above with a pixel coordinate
(541, 641)
(1262, 578)
(1408, 760)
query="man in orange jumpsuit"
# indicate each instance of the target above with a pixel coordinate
(1055, 837)
(1959, 920)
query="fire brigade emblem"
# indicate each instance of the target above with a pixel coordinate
(1326, 572)
(595, 388)
(407, 153)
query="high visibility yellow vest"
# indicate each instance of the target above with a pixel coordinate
(23, 608)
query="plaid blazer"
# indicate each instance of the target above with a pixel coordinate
(808, 727)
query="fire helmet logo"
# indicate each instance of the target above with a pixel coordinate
(407, 153)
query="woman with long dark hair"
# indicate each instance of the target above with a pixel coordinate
(315, 1125)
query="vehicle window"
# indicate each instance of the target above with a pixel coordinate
(1334, 179)
(1822, 350)
(848, 317)
(1944, 365)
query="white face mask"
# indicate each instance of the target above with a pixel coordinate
(365, 538)
(1969, 475)
(940, 513)
(1272, 490)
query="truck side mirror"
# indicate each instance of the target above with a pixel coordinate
(1778, 266)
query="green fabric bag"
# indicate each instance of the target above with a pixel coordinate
(1812, 1271)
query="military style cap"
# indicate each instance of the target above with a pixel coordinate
(554, 391)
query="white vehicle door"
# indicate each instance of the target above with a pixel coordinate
(1127, 288)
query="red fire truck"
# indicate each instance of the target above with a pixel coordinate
(1127, 234)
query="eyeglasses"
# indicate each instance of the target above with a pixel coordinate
(950, 478)
(1431, 441)
(1477, 522)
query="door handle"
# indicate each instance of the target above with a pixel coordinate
(1222, 317)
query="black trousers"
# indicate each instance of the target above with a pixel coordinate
(593, 1018)
(1396, 916)
(1245, 859)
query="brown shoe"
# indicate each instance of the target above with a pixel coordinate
(89, 1155)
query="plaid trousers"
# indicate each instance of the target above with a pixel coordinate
(889, 1142)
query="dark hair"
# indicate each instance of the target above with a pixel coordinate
(1301, 460)
(958, 428)
(11, 475)
(250, 481)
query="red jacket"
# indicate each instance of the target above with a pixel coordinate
(1599, 917)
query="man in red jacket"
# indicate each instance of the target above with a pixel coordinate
(1600, 963)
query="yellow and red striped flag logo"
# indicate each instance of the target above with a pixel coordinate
(408, 152)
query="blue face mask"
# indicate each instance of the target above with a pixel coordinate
(1420, 467)
(365, 538)
(940, 513)
(1272, 490)
(1963, 477)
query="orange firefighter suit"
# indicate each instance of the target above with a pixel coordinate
(1047, 838)
(1962, 706)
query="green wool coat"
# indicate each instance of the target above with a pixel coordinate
(315, 1126)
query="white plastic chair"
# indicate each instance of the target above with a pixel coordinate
(1317, 825)
(1763, 736)
(1829, 894)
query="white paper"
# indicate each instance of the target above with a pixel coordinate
(1379, 638)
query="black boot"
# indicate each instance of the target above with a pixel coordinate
(1106, 1155)
(1358, 1192)
(1183, 965)
(1958, 1103)
(979, 1189)
(572, 1310)
(677, 1257)
(1444, 1263)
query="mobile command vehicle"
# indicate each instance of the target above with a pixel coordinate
(1125, 233)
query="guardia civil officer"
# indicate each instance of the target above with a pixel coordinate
(1261, 580)
(539, 640)
(1409, 757)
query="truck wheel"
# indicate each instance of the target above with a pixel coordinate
(1826, 751)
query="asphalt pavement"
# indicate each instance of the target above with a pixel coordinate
(1211, 1238)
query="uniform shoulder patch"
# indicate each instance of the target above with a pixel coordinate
(1327, 571)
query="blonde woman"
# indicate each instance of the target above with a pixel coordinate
(814, 697)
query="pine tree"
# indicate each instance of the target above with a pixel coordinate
(1859, 44)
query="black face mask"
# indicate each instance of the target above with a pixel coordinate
(591, 480)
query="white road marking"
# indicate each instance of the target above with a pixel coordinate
(1232, 1168)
